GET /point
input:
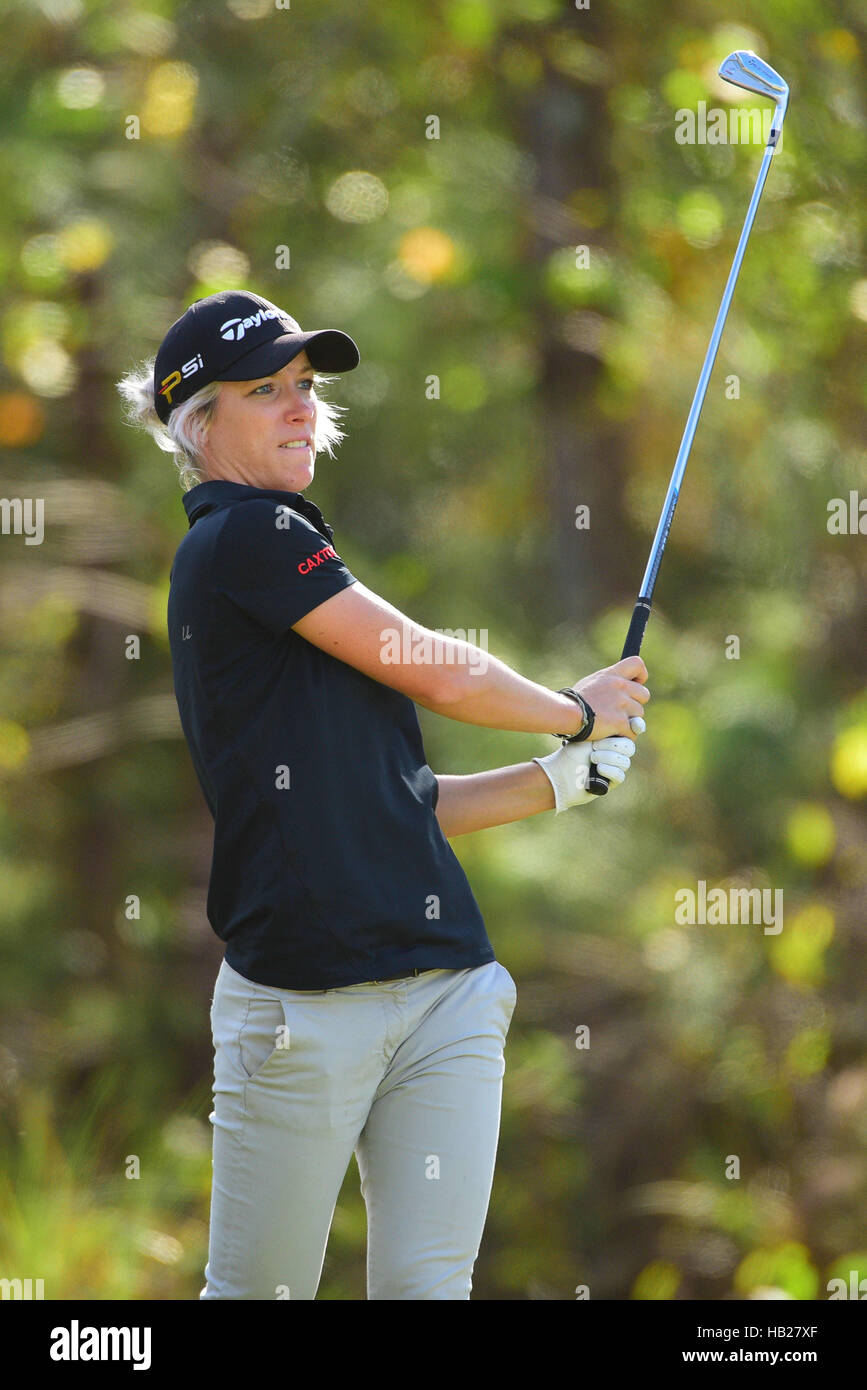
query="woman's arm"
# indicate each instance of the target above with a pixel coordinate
(499, 698)
(452, 677)
(482, 799)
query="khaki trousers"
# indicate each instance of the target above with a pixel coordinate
(407, 1074)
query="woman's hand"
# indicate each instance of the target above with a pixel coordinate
(568, 768)
(615, 694)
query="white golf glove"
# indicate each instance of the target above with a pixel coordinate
(568, 768)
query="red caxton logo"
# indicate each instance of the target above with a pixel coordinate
(326, 553)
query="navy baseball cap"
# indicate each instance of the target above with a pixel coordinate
(238, 336)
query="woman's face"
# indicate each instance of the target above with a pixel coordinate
(253, 423)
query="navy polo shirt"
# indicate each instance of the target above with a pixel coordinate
(329, 865)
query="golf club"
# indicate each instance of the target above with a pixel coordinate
(743, 69)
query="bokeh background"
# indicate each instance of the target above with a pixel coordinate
(260, 129)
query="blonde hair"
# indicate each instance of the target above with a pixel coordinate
(187, 427)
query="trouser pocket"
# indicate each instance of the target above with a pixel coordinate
(263, 1037)
(250, 1029)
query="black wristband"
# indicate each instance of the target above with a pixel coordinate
(589, 716)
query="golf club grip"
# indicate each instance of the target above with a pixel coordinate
(596, 783)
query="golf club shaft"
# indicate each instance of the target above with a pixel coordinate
(641, 612)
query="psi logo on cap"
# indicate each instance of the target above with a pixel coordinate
(175, 378)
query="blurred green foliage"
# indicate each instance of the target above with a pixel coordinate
(155, 152)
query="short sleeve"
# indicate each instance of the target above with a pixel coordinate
(274, 565)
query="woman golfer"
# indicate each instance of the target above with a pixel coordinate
(359, 1007)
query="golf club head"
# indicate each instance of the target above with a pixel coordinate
(746, 70)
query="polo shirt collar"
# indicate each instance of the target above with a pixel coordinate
(217, 493)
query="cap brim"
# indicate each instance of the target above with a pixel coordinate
(328, 350)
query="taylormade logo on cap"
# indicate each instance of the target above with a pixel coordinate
(233, 330)
(235, 335)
